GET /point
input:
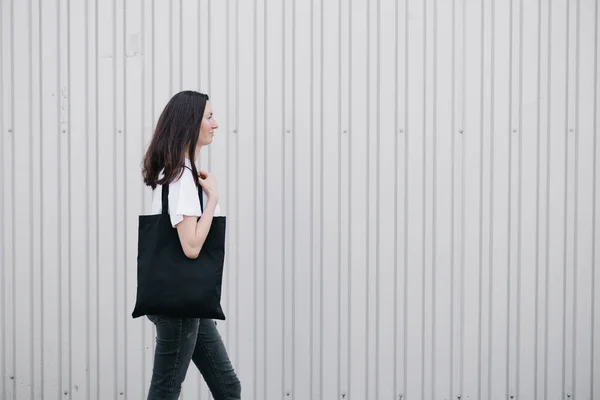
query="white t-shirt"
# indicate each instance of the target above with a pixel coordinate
(183, 197)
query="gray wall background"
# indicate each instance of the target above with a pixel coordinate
(411, 189)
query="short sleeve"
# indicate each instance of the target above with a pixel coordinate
(183, 198)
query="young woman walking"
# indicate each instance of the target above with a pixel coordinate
(185, 125)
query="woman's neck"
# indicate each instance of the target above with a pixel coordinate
(197, 152)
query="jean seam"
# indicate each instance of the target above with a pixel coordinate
(176, 358)
(214, 367)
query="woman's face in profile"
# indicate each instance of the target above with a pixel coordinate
(207, 127)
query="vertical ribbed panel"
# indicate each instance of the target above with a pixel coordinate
(411, 190)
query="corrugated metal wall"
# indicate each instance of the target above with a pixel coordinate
(411, 189)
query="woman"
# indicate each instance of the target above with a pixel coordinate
(185, 125)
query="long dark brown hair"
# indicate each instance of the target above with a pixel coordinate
(176, 133)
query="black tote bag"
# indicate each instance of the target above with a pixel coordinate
(168, 282)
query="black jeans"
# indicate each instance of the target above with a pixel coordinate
(181, 340)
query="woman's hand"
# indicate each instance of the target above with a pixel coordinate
(209, 184)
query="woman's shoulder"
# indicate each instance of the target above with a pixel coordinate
(184, 176)
(183, 195)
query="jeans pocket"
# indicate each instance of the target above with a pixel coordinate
(155, 319)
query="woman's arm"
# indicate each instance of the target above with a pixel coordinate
(193, 231)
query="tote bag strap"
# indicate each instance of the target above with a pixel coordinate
(165, 198)
(201, 198)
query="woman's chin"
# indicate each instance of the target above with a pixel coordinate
(205, 142)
